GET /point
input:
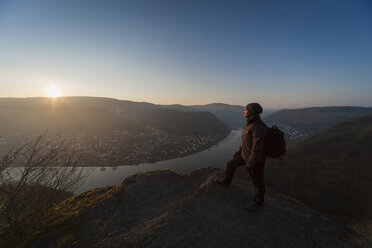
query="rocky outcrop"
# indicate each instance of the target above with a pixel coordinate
(165, 209)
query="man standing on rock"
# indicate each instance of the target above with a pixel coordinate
(251, 154)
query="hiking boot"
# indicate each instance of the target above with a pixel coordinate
(252, 207)
(221, 181)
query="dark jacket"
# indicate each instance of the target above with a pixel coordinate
(253, 139)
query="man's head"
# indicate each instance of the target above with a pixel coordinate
(252, 109)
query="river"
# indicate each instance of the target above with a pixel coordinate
(215, 156)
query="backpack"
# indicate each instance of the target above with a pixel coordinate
(274, 143)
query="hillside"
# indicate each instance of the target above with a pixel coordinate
(164, 209)
(330, 171)
(77, 114)
(301, 123)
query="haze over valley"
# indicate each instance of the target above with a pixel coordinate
(108, 131)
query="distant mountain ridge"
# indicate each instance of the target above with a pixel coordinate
(99, 113)
(73, 114)
(232, 115)
(316, 118)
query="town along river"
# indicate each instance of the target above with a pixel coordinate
(215, 156)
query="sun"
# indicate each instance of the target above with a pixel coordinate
(53, 92)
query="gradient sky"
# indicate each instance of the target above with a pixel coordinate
(283, 54)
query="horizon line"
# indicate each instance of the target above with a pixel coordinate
(187, 105)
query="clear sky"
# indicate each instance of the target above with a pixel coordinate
(282, 54)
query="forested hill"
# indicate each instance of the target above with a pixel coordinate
(75, 114)
(331, 170)
(316, 118)
(232, 115)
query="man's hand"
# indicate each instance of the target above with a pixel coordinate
(237, 154)
(249, 167)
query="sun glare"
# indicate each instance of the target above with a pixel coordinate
(53, 92)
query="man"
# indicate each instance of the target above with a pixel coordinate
(250, 154)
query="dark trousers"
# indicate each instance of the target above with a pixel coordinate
(257, 175)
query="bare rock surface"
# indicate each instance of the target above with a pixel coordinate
(164, 209)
